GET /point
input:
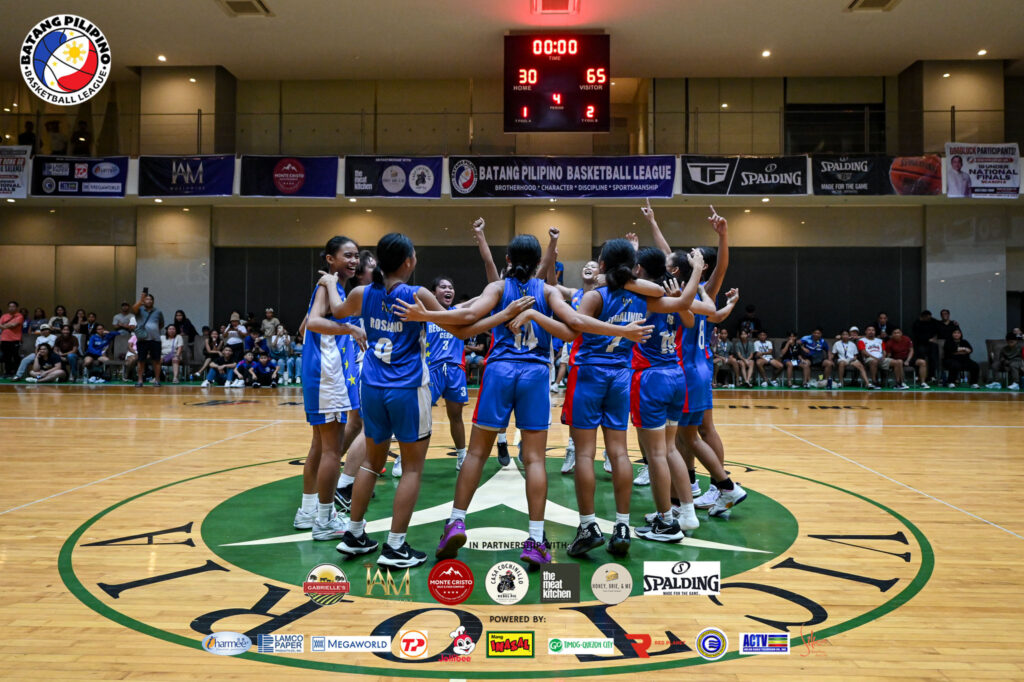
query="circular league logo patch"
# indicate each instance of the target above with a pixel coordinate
(464, 176)
(421, 179)
(326, 584)
(65, 59)
(393, 179)
(712, 644)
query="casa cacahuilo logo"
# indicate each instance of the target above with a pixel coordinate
(507, 583)
(65, 59)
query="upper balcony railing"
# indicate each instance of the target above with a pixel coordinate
(718, 131)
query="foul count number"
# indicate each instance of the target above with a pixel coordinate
(591, 111)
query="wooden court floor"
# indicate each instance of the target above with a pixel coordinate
(884, 534)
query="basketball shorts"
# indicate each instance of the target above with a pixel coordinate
(319, 418)
(352, 370)
(520, 387)
(698, 395)
(448, 381)
(655, 394)
(400, 412)
(597, 396)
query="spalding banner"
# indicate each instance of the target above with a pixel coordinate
(744, 175)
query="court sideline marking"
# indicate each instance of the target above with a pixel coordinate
(889, 478)
(141, 466)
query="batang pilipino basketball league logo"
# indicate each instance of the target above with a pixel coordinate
(65, 59)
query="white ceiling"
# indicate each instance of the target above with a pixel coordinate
(342, 39)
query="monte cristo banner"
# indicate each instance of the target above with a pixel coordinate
(569, 177)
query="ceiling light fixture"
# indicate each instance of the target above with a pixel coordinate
(765, 200)
(725, 105)
(746, 210)
(352, 200)
(7, 109)
(766, 53)
(158, 201)
(161, 58)
(10, 201)
(191, 80)
(369, 210)
(185, 210)
(982, 53)
(945, 75)
(553, 200)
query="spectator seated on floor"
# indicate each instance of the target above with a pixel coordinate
(97, 353)
(845, 355)
(872, 354)
(764, 357)
(47, 367)
(47, 337)
(817, 355)
(263, 372)
(241, 376)
(957, 359)
(1011, 360)
(221, 371)
(900, 348)
(68, 351)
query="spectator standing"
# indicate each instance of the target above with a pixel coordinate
(793, 355)
(280, 343)
(872, 353)
(743, 350)
(60, 317)
(947, 325)
(845, 354)
(817, 355)
(263, 372)
(269, 323)
(186, 330)
(723, 357)
(749, 321)
(58, 141)
(81, 140)
(212, 346)
(900, 348)
(171, 348)
(46, 366)
(883, 328)
(124, 321)
(67, 349)
(957, 354)
(221, 370)
(11, 331)
(1012, 360)
(925, 333)
(147, 331)
(45, 337)
(764, 357)
(96, 353)
(27, 138)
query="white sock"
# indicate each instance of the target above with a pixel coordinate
(345, 480)
(457, 515)
(537, 531)
(686, 508)
(622, 518)
(666, 515)
(461, 452)
(396, 540)
(502, 439)
(309, 502)
(587, 519)
(356, 527)
(324, 511)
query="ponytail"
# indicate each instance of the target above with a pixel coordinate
(393, 249)
(618, 259)
(523, 257)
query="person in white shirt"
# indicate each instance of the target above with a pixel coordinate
(171, 348)
(845, 354)
(873, 354)
(46, 336)
(764, 354)
(124, 321)
(234, 335)
(958, 183)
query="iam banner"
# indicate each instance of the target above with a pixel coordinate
(982, 171)
(14, 172)
(176, 176)
(75, 176)
(289, 176)
(851, 175)
(744, 175)
(388, 176)
(570, 177)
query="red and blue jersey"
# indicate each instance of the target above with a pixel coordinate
(661, 350)
(619, 307)
(531, 343)
(695, 358)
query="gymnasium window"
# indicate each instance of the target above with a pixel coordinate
(835, 128)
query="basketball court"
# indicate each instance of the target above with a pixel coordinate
(881, 533)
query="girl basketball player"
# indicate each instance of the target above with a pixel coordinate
(394, 392)
(515, 379)
(446, 360)
(326, 396)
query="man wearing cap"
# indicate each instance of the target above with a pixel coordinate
(234, 335)
(124, 321)
(269, 323)
(46, 336)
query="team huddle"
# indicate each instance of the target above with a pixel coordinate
(379, 353)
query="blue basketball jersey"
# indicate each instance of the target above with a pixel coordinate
(531, 343)
(618, 307)
(443, 347)
(397, 355)
(323, 375)
(661, 349)
(696, 360)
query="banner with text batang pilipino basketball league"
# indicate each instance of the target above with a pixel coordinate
(14, 172)
(289, 176)
(76, 176)
(562, 177)
(389, 176)
(982, 171)
(744, 175)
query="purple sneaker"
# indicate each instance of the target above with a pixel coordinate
(453, 537)
(535, 553)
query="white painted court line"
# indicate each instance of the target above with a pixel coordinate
(883, 426)
(240, 420)
(889, 478)
(142, 466)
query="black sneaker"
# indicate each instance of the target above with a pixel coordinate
(403, 557)
(351, 545)
(503, 457)
(586, 539)
(343, 496)
(661, 530)
(619, 543)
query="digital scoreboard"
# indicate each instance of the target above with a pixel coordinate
(557, 83)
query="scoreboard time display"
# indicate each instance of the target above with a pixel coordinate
(557, 83)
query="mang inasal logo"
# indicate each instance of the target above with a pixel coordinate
(845, 543)
(65, 59)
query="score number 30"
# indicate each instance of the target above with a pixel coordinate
(594, 75)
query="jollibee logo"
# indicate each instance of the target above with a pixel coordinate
(462, 643)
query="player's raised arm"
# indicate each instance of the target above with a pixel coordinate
(427, 300)
(731, 297)
(547, 261)
(659, 238)
(721, 226)
(490, 269)
(418, 312)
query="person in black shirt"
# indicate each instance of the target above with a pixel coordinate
(946, 326)
(882, 326)
(925, 332)
(958, 359)
(750, 322)
(28, 138)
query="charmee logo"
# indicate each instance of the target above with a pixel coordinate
(464, 176)
(65, 59)
(226, 643)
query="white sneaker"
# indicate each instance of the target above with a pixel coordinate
(31, 380)
(553, 388)
(205, 384)
(708, 499)
(100, 380)
(951, 386)
(695, 489)
(644, 477)
(569, 463)
(304, 520)
(925, 386)
(460, 457)
(901, 387)
(764, 384)
(396, 470)
(975, 386)
(727, 500)
(332, 530)
(775, 382)
(673, 513)
(607, 462)
(1013, 387)
(686, 517)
